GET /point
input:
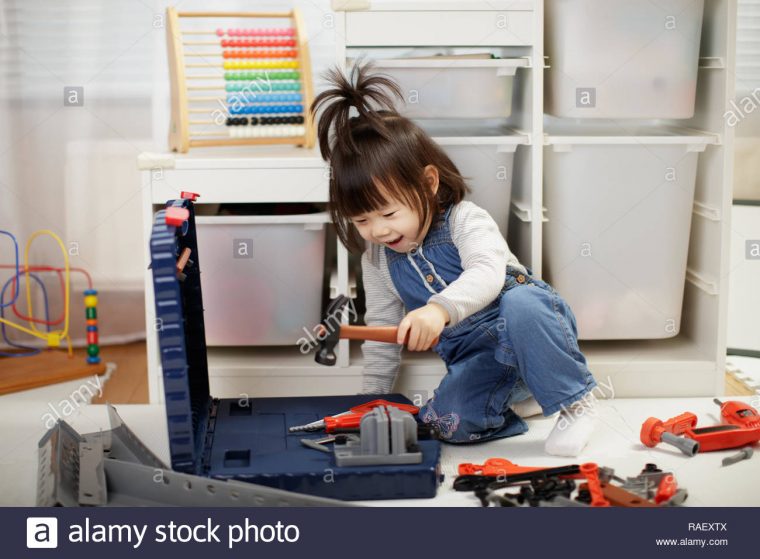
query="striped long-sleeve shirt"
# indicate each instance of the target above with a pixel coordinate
(484, 255)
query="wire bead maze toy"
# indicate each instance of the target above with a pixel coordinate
(238, 86)
(53, 337)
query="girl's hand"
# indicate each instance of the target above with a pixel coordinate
(423, 325)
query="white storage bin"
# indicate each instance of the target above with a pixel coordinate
(266, 296)
(454, 88)
(743, 292)
(639, 58)
(485, 156)
(616, 240)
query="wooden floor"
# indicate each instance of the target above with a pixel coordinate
(129, 383)
(49, 366)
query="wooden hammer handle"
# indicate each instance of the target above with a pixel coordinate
(373, 333)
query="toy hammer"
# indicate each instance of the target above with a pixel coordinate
(331, 330)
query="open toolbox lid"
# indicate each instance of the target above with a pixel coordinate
(181, 333)
(206, 433)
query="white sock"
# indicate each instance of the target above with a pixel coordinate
(573, 429)
(527, 408)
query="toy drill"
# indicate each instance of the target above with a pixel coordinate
(350, 420)
(740, 426)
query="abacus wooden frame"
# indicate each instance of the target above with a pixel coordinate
(180, 139)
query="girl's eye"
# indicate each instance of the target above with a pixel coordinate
(389, 214)
(360, 221)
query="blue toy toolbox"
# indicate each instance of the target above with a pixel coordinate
(248, 439)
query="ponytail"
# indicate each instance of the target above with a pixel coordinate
(372, 96)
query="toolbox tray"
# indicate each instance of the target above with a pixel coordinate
(247, 439)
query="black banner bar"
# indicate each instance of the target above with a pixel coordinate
(366, 533)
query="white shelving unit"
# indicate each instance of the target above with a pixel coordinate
(690, 364)
(275, 174)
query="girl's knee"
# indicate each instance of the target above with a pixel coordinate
(524, 305)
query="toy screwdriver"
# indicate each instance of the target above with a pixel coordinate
(351, 419)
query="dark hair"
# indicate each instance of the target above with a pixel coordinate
(377, 147)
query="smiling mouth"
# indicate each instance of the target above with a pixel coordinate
(395, 241)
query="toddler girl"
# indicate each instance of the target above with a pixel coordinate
(437, 266)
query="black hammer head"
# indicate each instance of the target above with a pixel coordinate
(330, 332)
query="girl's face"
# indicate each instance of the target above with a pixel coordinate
(396, 225)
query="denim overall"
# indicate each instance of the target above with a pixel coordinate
(523, 343)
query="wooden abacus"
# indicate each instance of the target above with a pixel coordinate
(253, 85)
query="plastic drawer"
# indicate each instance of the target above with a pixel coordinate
(262, 277)
(450, 88)
(622, 59)
(448, 28)
(617, 237)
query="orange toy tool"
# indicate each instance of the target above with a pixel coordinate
(740, 427)
(738, 413)
(501, 467)
(330, 331)
(501, 473)
(591, 472)
(655, 431)
(351, 419)
(666, 489)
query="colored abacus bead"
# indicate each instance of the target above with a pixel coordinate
(91, 312)
(93, 350)
(93, 360)
(251, 55)
(92, 337)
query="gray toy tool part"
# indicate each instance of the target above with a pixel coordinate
(686, 445)
(58, 467)
(387, 436)
(115, 469)
(645, 486)
(92, 475)
(136, 484)
(125, 443)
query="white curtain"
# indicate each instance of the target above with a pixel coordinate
(71, 169)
